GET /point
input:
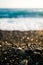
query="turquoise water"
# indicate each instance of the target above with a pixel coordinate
(19, 13)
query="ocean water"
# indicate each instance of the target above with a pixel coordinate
(21, 19)
(20, 13)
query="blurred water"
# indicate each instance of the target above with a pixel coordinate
(20, 13)
(21, 19)
(22, 24)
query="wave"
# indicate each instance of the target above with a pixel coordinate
(19, 13)
(22, 24)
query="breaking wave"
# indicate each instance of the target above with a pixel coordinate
(22, 24)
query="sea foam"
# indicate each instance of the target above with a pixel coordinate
(22, 24)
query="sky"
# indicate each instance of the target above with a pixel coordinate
(21, 3)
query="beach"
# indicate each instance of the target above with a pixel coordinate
(21, 47)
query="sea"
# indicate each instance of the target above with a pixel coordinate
(21, 19)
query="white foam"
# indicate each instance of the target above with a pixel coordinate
(22, 24)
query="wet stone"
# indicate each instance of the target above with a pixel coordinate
(24, 48)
